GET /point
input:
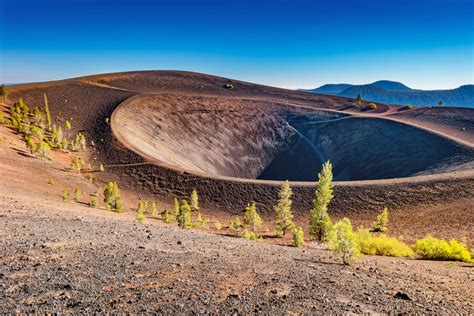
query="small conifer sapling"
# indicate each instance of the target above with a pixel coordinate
(154, 210)
(284, 216)
(252, 218)
(3, 92)
(381, 222)
(77, 195)
(298, 237)
(112, 198)
(141, 211)
(184, 215)
(342, 239)
(65, 195)
(319, 221)
(194, 201)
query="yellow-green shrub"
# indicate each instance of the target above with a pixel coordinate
(235, 225)
(373, 106)
(298, 237)
(169, 217)
(382, 245)
(218, 225)
(249, 235)
(438, 249)
(201, 221)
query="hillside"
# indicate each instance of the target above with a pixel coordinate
(168, 132)
(392, 92)
(162, 134)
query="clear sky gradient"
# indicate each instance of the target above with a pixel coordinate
(427, 44)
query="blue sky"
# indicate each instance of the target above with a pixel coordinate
(426, 44)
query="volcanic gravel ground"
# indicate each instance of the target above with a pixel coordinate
(69, 259)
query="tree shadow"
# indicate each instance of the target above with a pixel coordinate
(228, 235)
(24, 153)
(271, 237)
(471, 266)
(349, 107)
(61, 169)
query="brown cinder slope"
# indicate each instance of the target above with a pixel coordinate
(171, 132)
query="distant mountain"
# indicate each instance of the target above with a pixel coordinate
(332, 88)
(393, 92)
(390, 85)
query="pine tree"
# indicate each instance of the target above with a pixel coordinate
(22, 109)
(359, 99)
(94, 202)
(65, 195)
(194, 205)
(17, 124)
(284, 216)
(217, 224)
(3, 92)
(169, 216)
(251, 217)
(30, 144)
(319, 222)
(90, 177)
(235, 225)
(37, 132)
(14, 109)
(49, 121)
(184, 215)
(67, 125)
(77, 194)
(56, 136)
(112, 197)
(194, 201)
(200, 221)
(343, 239)
(82, 141)
(153, 210)
(38, 116)
(298, 237)
(175, 209)
(77, 164)
(381, 222)
(141, 211)
(43, 149)
(79, 142)
(64, 144)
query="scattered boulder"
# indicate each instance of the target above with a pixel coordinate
(402, 296)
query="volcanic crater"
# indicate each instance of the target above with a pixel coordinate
(168, 132)
(274, 141)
